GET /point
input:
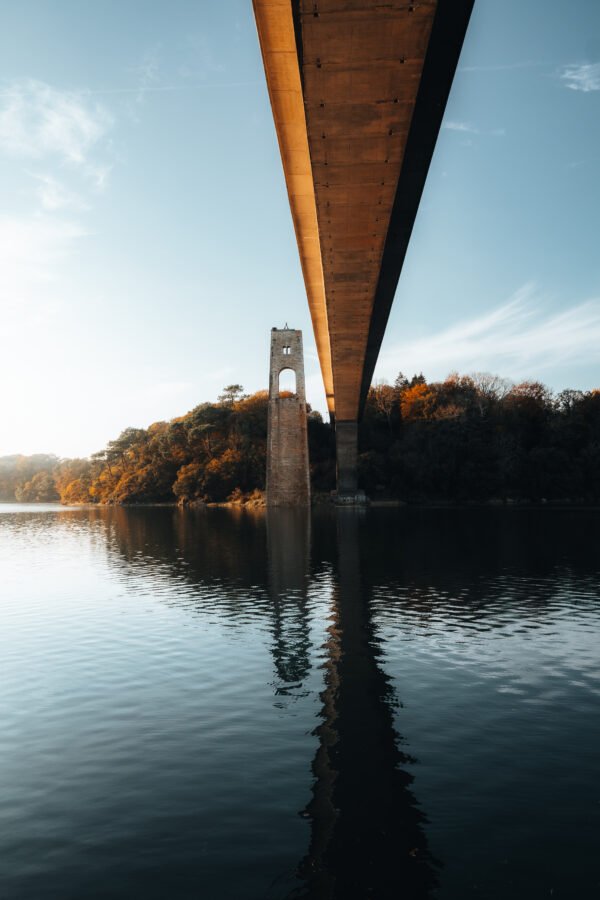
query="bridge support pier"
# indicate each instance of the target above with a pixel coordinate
(346, 445)
(288, 477)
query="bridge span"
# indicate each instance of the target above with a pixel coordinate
(358, 90)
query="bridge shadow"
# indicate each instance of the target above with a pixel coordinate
(367, 838)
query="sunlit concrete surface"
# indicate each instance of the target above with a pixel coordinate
(358, 90)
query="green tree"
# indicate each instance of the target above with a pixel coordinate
(230, 394)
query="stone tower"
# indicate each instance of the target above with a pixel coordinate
(288, 479)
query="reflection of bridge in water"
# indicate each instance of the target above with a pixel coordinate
(366, 828)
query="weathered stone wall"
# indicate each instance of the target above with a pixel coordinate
(288, 479)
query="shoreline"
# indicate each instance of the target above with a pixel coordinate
(321, 502)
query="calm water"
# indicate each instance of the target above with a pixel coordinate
(227, 705)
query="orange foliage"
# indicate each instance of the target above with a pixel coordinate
(417, 402)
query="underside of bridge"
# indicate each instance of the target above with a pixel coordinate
(358, 89)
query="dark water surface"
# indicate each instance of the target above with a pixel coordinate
(219, 704)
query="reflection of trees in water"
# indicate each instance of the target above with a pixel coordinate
(435, 546)
(367, 839)
(214, 559)
(443, 566)
(425, 552)
(214, 546)
(218, 558)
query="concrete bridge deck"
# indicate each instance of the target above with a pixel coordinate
(358, 90)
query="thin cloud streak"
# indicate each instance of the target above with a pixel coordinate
(464, 127)
(515, 339)
(468, 128)
(168, 88)
(584, 77)
(506, 67)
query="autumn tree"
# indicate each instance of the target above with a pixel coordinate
(39, 489)
(417, 402)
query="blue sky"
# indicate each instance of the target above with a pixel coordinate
(146, 244)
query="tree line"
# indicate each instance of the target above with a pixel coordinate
(482, 438)
(28, 478)
(469, 438)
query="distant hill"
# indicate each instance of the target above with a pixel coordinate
(26, 478)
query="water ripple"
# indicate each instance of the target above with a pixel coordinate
(221, 704)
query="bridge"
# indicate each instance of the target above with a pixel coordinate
(358, 90)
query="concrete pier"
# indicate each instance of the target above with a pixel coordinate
(288, 476)
(346, 443)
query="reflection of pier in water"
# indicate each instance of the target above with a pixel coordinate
(366, 829)
(288, 542)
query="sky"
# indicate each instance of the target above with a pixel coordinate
(146, 243)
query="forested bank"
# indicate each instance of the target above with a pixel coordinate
(469, 438)
(29, 478)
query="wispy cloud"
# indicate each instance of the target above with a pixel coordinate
(57, 140)
(583, 77)
(37, 121)
(505, 67)
(464, 127)
(515, 339)
(54, 195)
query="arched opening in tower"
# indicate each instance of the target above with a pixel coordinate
(287, 383)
